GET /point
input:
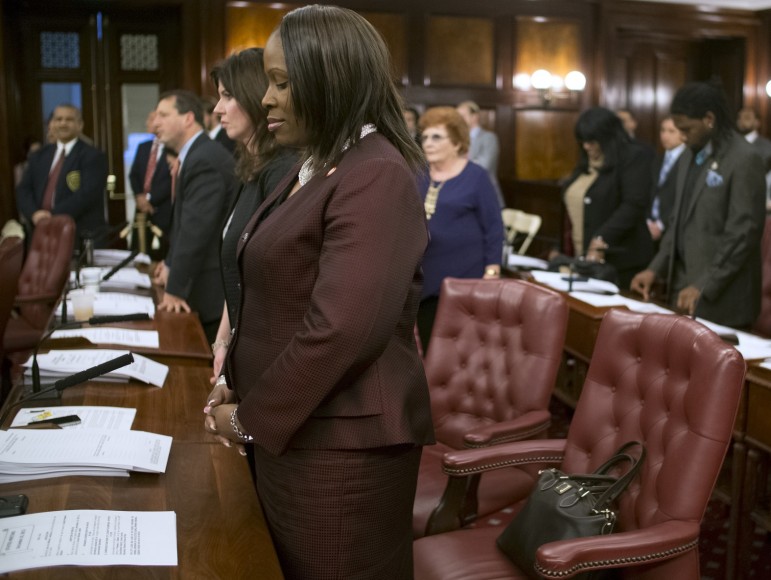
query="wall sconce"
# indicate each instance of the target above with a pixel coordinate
(768, 88)
(549, 87)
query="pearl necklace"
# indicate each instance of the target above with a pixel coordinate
(307, 171)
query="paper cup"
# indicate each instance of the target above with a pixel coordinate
(82, 304)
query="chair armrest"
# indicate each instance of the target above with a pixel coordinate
(525, 426)
(458, 505)
(32, 298)
(659, 542)
(470, 461)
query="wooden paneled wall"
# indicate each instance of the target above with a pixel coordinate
(634, 55)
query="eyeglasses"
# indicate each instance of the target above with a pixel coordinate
(432, 137)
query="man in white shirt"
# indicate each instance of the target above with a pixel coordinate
(484, 149)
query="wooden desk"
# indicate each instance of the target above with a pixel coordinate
(752, 501)
(221, 532)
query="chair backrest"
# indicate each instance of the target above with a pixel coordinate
(47, 267)
(517, 222)
(763, 323)
(672, 384)
(11, 257)
(495, 350)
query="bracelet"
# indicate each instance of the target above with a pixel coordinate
(225, 343)
(491, 272)
(240, 434)
(221, 381)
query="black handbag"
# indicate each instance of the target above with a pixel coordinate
(562, 507)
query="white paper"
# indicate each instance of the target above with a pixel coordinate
(105, 257)
(62, 363)
(127, 277)
(517, 261)
(88, 538)
(750, 346)
(555, 280)
(118, 418)
(57, 452)
(113, 335)
(116, 303)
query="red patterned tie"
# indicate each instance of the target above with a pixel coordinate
(151, 163)
(174, 173)
(53, 177)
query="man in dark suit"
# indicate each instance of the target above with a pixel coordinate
(748, 124)
(663, 199)
(211, 122)
(204, 188)
(66, 177)
(152, 189)
(710, 254)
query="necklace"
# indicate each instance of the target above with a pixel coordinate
(307, 171)
(432, 195)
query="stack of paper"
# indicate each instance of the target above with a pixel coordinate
(89, 538)
(110, 335)
(115, 303)
(562, 282)
(91, 417)
(125, 278)
(57, 364)
(110, 258)
(38, 454)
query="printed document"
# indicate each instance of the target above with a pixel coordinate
(112, 335)
(88, 538)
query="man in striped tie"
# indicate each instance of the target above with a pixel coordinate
(66, 177)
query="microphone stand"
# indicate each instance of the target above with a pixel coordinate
(122, 264)
(72, 380)
(93, 321)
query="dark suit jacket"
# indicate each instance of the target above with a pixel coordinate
(80, 189)
(324, 353)
(763, 147)
(222, 138)
(615, 207)
(722, 229)
(206, 186)
(160, 186)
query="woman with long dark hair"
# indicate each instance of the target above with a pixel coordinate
(323, 374)
(241, 82)
(608, 195)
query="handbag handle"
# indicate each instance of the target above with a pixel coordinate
(622, 482)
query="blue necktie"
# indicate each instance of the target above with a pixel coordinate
(665, 167)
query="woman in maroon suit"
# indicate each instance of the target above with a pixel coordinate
(323, 373)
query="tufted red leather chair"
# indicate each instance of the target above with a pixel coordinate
(11, 256)
(495, 350)
(664, 380)
(43, 276)
(763, 323)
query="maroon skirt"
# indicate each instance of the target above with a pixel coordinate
(340, 515)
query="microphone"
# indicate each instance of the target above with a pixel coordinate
(72, 380)
(93, 321)
(122, 264)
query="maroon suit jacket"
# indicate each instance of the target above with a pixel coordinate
(324, 354)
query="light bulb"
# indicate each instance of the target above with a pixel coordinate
(575, 81)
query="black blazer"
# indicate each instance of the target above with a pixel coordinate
(160, 186)
(616, 206)
(206, 186)
(80, 190)
(222, 138)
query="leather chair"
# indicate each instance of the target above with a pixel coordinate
(11, 257)
(492, 362)
(664, 380)
(43, 277)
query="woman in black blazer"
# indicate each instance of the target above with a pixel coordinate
(608, 194)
